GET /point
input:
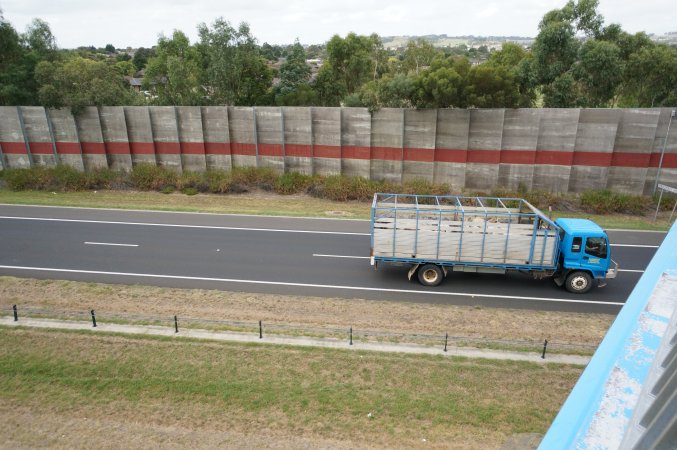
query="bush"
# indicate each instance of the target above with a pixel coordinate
(606, 202)
(246, 178)
(422, 186)
(193, 180)
(149, 177)
(219, 181)
(293, 183)
(189, 191)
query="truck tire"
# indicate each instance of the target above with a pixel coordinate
(430, 275)
(578, 282)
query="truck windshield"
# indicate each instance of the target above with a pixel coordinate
(596, 247)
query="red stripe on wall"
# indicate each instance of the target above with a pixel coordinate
(484, 156)
(554, 157)
(41, 148)
(669, 160)
(386, 153)
(450, 155)
(118, 148)
(142, 148)
(167, 148)
(243, 149)
(14, 148)
(599, 159)
(299, 150)
(631, 159)
(518, 156)
(217, 148)
(68, 148)
(419, 154)
(327, 151)
(354, 152)
(193, 148)
(93, 148)
(271, 150)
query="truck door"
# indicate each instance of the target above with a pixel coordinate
(595, 257)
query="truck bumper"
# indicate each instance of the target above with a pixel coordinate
(613, 270)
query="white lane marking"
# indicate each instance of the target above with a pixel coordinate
(172, 225)
(631, 270)
(341, 256)
(324, 286)
(634, 245)
(112, 244)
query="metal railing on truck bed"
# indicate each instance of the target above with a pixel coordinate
(456, 230)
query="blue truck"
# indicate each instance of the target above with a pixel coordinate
(437, 234)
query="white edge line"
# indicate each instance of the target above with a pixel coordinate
(172, 225)
(186, 212)
(635, 245)
(111, 244)
(325, 286)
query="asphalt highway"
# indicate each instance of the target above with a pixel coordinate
(300, 256)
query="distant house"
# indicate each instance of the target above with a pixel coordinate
(135, 83)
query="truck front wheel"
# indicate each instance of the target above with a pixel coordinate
(430, 275)
(578, 282)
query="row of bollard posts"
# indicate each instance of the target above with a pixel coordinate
(176, 330)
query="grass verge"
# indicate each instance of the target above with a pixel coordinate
(275, 393)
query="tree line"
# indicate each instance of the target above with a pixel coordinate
(575, 61)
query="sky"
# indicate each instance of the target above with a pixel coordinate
(139, 23)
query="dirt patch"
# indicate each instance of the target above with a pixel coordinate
(309, 312)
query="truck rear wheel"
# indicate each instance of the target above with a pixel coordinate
(578, 282)
(430, 275)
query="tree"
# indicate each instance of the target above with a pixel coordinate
(141, 56)
(396, 91)
(294, 71)
(78, 82)
(491, 86)
(650, 78)
(419, 53)
(110, 48)
(236, 73)
(39, 39)
(443, 85)
(174, 74)
(600, 71)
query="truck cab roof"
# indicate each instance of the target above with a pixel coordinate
(580, 226)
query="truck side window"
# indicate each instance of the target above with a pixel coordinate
(596, 247)
(576, 245)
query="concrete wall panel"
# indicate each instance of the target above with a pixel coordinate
(39, 135)
(484, 148)
(270, 132)
(451, 147)
(420, 127)
(327, 152)
(298, 139)
(243, 136)
(91, 139)
(115, 137)
(555, 149)
(632, 150)
(387, 145)
(665, 144)
(14, 149)
(356, 142)
(594, 149)
(66, 138)
(518, 148)
(165, 130)
(216, 137)
(191, 138)
(140, 135)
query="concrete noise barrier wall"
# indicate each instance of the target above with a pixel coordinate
(557, 150)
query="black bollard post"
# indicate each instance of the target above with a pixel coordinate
(351, 335)
(545, 344)
(16, 314)
(93, 319)
(176, 325)
(446, 338)
(260, 330)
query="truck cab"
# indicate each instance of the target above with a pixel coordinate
(585, 255)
